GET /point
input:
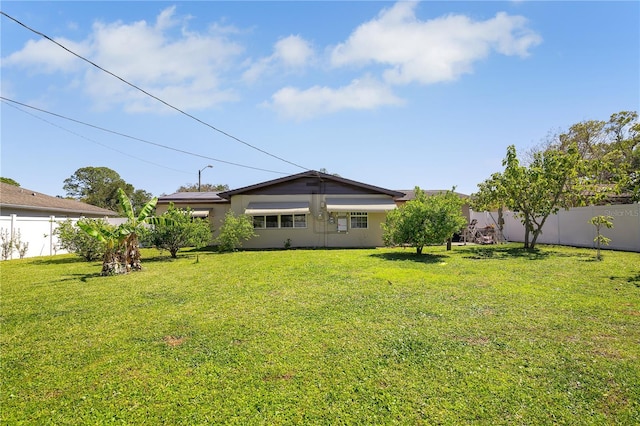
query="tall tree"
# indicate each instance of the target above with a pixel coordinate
(610, 151)
(205, 187)
(424, 220)
(97, 186)
(139, 198)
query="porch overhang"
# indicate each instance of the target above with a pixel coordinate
(292, 207)
(200, 213)
(369, 205)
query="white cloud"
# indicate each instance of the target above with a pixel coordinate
(432, 51)
(42, 56)
(362, 94)
(184, 70)
(292, 53)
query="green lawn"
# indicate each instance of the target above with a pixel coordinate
(483, 335)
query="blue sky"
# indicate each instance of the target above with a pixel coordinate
(390, 94)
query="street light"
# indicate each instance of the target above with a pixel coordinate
(200, 173)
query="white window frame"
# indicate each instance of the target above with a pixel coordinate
(358, 215)
(296, 224)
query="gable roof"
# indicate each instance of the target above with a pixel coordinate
(16, 197)
(323, 177)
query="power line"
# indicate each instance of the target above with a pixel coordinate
(150, 95)
(91, 140)
(139, 139)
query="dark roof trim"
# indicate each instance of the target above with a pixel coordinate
(310, 173)
(192, 198)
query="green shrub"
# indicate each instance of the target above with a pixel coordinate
(75, 240)
(234, 230)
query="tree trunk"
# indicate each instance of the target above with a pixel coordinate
(448, 244)
(526, 233)
(533, 241)
(419, 249)
(112, 264)
(501, 224)
(133, 256)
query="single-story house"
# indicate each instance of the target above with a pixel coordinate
(309, 209)
(15, 200)
(32, 217)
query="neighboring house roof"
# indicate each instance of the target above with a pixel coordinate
(192, 198)
(307, 179)
(410, 194)
(15, 197)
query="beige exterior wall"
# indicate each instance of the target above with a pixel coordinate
(217, 212)
(322, 226)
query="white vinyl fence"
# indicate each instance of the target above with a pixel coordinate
(38, 232)
(572, 227)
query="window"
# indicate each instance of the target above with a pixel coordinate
(300, 221)
(286, 221)
(258, 222)
(272, 221)
(359, 220)
(280, 221)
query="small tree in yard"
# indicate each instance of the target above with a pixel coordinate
(536, 191)
(234, 230)
(599, 222)
(121, 248)
(180, 230)
(424, 220)
(75, 240)
(6, 243)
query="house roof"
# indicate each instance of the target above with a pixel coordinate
(311, 174)
(410, 194)
(16, 197)
(192, 198)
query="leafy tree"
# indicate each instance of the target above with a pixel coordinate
(610, 151)
(326, 172)
(73, 239)
(9, 181)
(180, 230)
(99, 186)
(122, 251)
(234, 230)
(205, 187)
(550, 182)
(139, 198)
(424, 220)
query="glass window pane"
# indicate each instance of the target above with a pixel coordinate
(286, 221)
(300, 221)
(272, 221)
(258, 221)
(359, 220)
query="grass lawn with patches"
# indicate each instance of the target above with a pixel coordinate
(487, 335)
